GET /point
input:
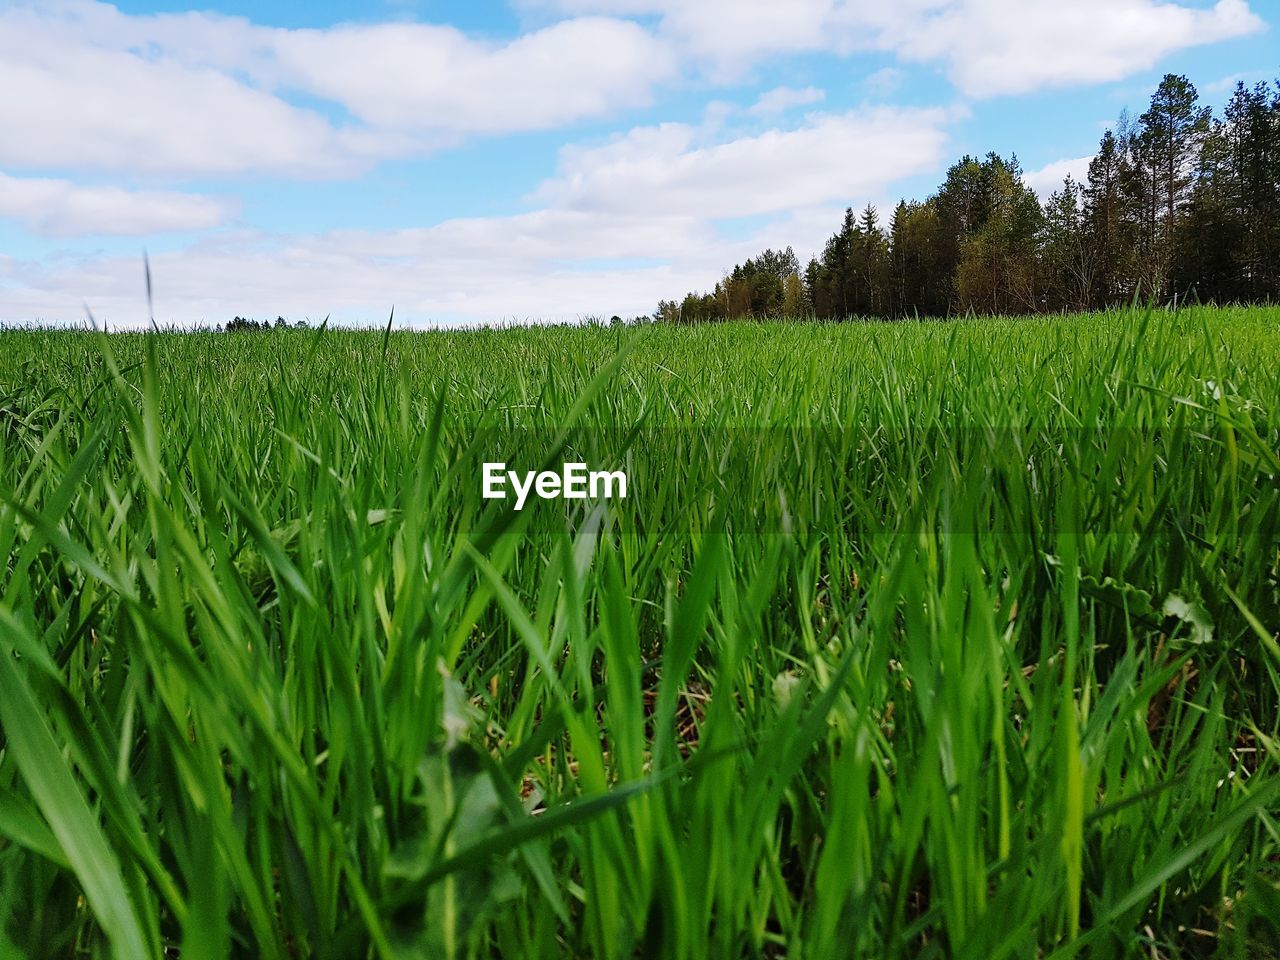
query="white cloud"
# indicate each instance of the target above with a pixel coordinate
(200, 94)
(781, 99)
(116, 100)
(1048, 178)
(619, 226)
(427, 78)
(731, 33)
(728, 34)
(1013, 46)
(502, 268)
(988, 47)
(830, 157)
(64, 209)
(884, 81)
(1228, 83)
(532, 268)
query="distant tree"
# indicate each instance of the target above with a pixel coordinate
(1068, 256)
(700, 308)
(1249, 137)
(794, 299)
(831, 295)
(996, 270)
(921, 260)
(1140, 209)
(813, 280)
(868, 266)
(1176, 203)
(756, 288)
(1171, 134)
(778, 264)
(1104, 214)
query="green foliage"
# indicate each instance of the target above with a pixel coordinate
(911, 641)
(764, 286)
(1177, 206)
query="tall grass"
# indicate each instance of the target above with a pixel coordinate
(918, 640)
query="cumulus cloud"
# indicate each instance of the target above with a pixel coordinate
(884, 81)
(542, 267)
(174, 97)
(200, 94)
(781, 99)
(1228, 83)
(99, 91)
(481, 270)
(728, 34)
(830, 156)
(419, 77)
(619, 226)
(1013, 46)
(1048, 178)
(988, 47)
(64, 209)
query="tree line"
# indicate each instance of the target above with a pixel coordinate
(245, 325)
(1178, 204)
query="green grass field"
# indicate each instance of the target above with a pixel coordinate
(952, 640)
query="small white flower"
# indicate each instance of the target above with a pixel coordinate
(784, 685)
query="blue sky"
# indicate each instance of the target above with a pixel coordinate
(532, 160)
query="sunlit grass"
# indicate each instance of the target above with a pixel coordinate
(910, 640)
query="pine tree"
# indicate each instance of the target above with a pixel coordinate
(1068, 256)
(1250, 134)
(1172, 131)
(1104, 215)
(1175, 204)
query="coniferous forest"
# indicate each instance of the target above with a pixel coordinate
(1179, 205)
